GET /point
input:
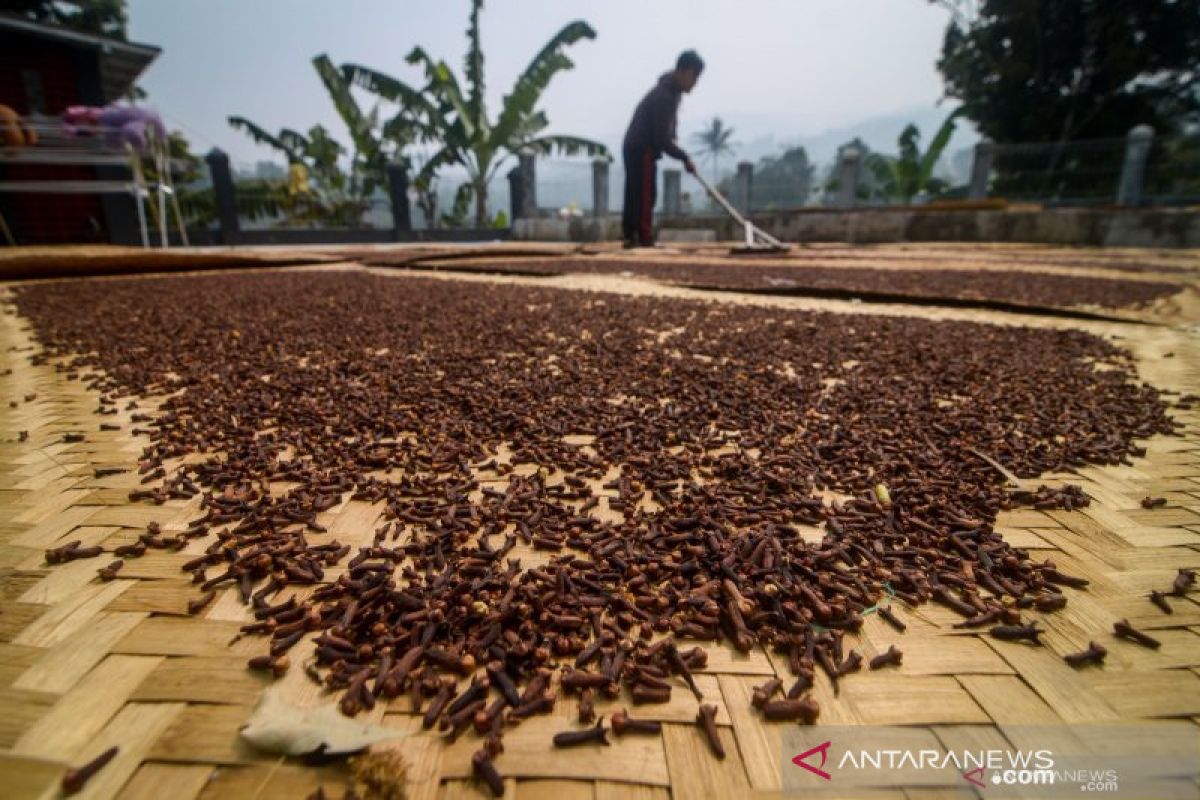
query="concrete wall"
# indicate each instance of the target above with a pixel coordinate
(298, 237)
(577, 229)
(1065, 226)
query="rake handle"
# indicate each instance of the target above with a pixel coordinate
(733, 212)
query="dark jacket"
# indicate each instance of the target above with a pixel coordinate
(653, 123)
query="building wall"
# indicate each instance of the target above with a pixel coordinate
(37, 76)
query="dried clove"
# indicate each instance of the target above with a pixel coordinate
(889, 616)
(485, 769)
(622, 723)
(804, 709)
(596, 733)
(75, 779)
(892, 657)
(764, 693)
(1028, 633)
(1159, 599)
(707, 720)
(1124, 630)
(1094, 654)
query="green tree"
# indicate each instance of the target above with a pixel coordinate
(329, 194)
(342, 193)
(903, 176)
(105, 17)
(458, 122)
(866, 179)
(783, 180)
(257, 198)
(714, 141)
(1072, 69)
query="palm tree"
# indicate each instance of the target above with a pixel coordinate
(904, 176)
(714, 142)
(458, 121)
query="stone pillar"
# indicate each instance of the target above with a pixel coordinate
(672, 206)
(849, 169)
(527, 173)
(981, 169)
(1133, 170)
(600, 186)
(516, 194)
(397, 175)
(743, 186)
(225, 195)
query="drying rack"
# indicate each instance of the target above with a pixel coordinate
(94, 148)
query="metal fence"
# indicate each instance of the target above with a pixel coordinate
(1069, 173)
(1173, 172)
(775, 194)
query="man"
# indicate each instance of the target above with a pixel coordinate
(652, 133)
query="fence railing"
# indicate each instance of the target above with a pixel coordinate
(1068, 173)
(1136, 170)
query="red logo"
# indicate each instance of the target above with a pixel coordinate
(823, 749)
(978, 779)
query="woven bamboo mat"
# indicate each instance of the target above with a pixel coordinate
(85, 665)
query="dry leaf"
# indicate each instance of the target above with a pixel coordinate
(280, 727)
(382, 773)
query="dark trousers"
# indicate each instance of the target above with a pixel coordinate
(637, 215)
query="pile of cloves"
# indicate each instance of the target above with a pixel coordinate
(512, 562)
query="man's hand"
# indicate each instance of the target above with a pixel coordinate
(689, 166)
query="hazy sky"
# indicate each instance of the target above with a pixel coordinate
(781, 70)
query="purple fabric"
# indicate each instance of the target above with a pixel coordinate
(121, 124)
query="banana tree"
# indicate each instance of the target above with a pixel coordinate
(457, 121)
(335, 196)
(903, 176)
(374, 144)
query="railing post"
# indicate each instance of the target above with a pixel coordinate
(672, 182)
(743, 186)
(848, 174)
(527, 172)
(600, 186)
(1133, 169)
(225, 195)
(397, 175)
(981, 169)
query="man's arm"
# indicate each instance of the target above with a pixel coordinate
(663, 124)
